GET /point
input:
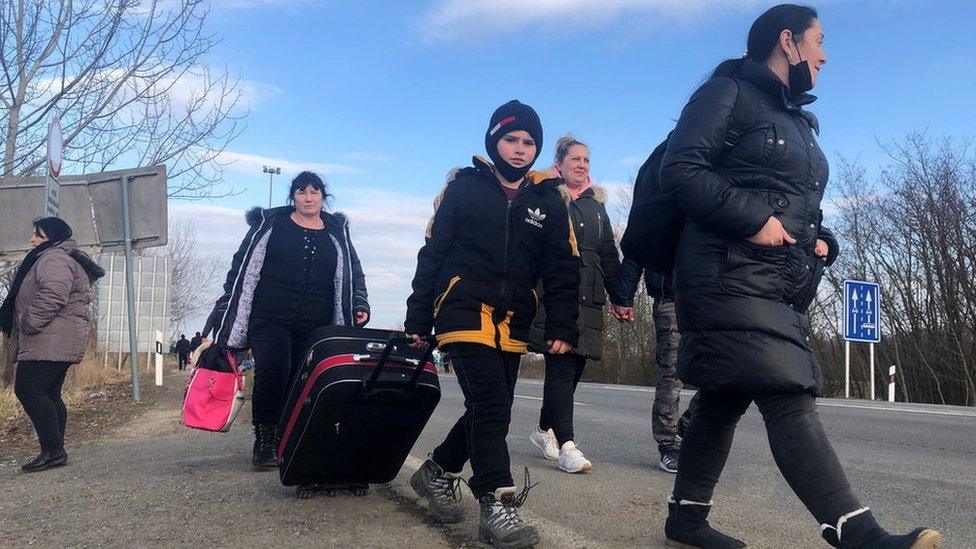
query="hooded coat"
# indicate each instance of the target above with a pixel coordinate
(483, 256)
(53, 306)
(742, 307)
(231, 315)
(599, 270)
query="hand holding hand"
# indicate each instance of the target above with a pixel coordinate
(622, 314)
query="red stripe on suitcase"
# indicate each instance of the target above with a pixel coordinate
(321, 368)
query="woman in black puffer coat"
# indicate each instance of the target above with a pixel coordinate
(748, 263)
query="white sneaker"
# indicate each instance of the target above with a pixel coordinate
(545, 441)
(571, 459)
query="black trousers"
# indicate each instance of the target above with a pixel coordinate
(797, 439)
(184, 359)
(38, 388)
(487, 378)
(563, 373)
(277, 350)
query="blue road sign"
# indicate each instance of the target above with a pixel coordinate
(862, 316)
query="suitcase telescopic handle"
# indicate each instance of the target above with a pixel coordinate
(392, 341)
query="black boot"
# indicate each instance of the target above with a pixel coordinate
(45, 460)
(859, 530)
(687, 525)
(263, 454)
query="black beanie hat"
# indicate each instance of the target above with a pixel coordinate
(510, 117)
(55, 229)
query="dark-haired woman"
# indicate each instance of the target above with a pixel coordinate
(47, 311)
(744, 167)
(295, 271)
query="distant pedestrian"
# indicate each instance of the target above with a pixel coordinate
(748, 263)
(599, 268)
(183, 351)
(497, 230)
(667, 425)
(295, 271)
(195, 342)
(47, 312)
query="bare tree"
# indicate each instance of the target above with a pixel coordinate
(128, 80)
(912, 228)
(193, 276)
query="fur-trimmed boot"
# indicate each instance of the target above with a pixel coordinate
(687, 526)
(859, 530)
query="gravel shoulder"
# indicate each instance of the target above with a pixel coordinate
(148, 481)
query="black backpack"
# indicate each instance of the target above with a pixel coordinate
(654, 224)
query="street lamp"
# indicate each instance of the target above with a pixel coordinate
(271, 171)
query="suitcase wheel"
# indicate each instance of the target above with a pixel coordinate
(305, 492)
(360, 491)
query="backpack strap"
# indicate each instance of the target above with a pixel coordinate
(745, 112)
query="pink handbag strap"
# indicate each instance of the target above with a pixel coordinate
(232, 360)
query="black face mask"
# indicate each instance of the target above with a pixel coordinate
(799, 76)
(509, 172)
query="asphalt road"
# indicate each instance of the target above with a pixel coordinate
(912, 464)
(155, 483)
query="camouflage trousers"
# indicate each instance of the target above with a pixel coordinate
(666, 422)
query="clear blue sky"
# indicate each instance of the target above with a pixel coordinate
(387, 96)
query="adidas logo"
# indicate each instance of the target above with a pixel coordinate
(536, 217)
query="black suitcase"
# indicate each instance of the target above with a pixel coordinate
(355, 409)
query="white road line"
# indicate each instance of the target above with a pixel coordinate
(537, 398)
(831, 403)
(894, 409)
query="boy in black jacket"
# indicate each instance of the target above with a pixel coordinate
(497, 228)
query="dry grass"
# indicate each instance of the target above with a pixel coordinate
(90, 374)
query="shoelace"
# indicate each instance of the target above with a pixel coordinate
(518, 500)
(448, 487)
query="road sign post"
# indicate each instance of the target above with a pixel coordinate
(862, 323)
(52, 195)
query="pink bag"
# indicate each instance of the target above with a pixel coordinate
(213, 397)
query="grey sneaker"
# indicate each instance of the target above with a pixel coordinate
(669, 461)
(501, 524)
(442, 490)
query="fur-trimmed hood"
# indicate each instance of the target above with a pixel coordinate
(253, 216)
(599, 194)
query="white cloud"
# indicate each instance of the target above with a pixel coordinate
(451, 20)
(251, 164)
(631, 161)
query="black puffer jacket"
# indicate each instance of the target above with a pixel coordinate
(599, 271)
(230, 318)
(477, 272)
(741, 307)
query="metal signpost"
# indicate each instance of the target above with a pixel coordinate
(92, 205)
(52, 199)
(862, 322)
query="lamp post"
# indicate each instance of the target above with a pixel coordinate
(271, 171)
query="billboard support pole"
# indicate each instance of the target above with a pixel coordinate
(130, 291)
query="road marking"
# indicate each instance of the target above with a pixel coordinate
(830, 403)
(537, 398)
(875, 407)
